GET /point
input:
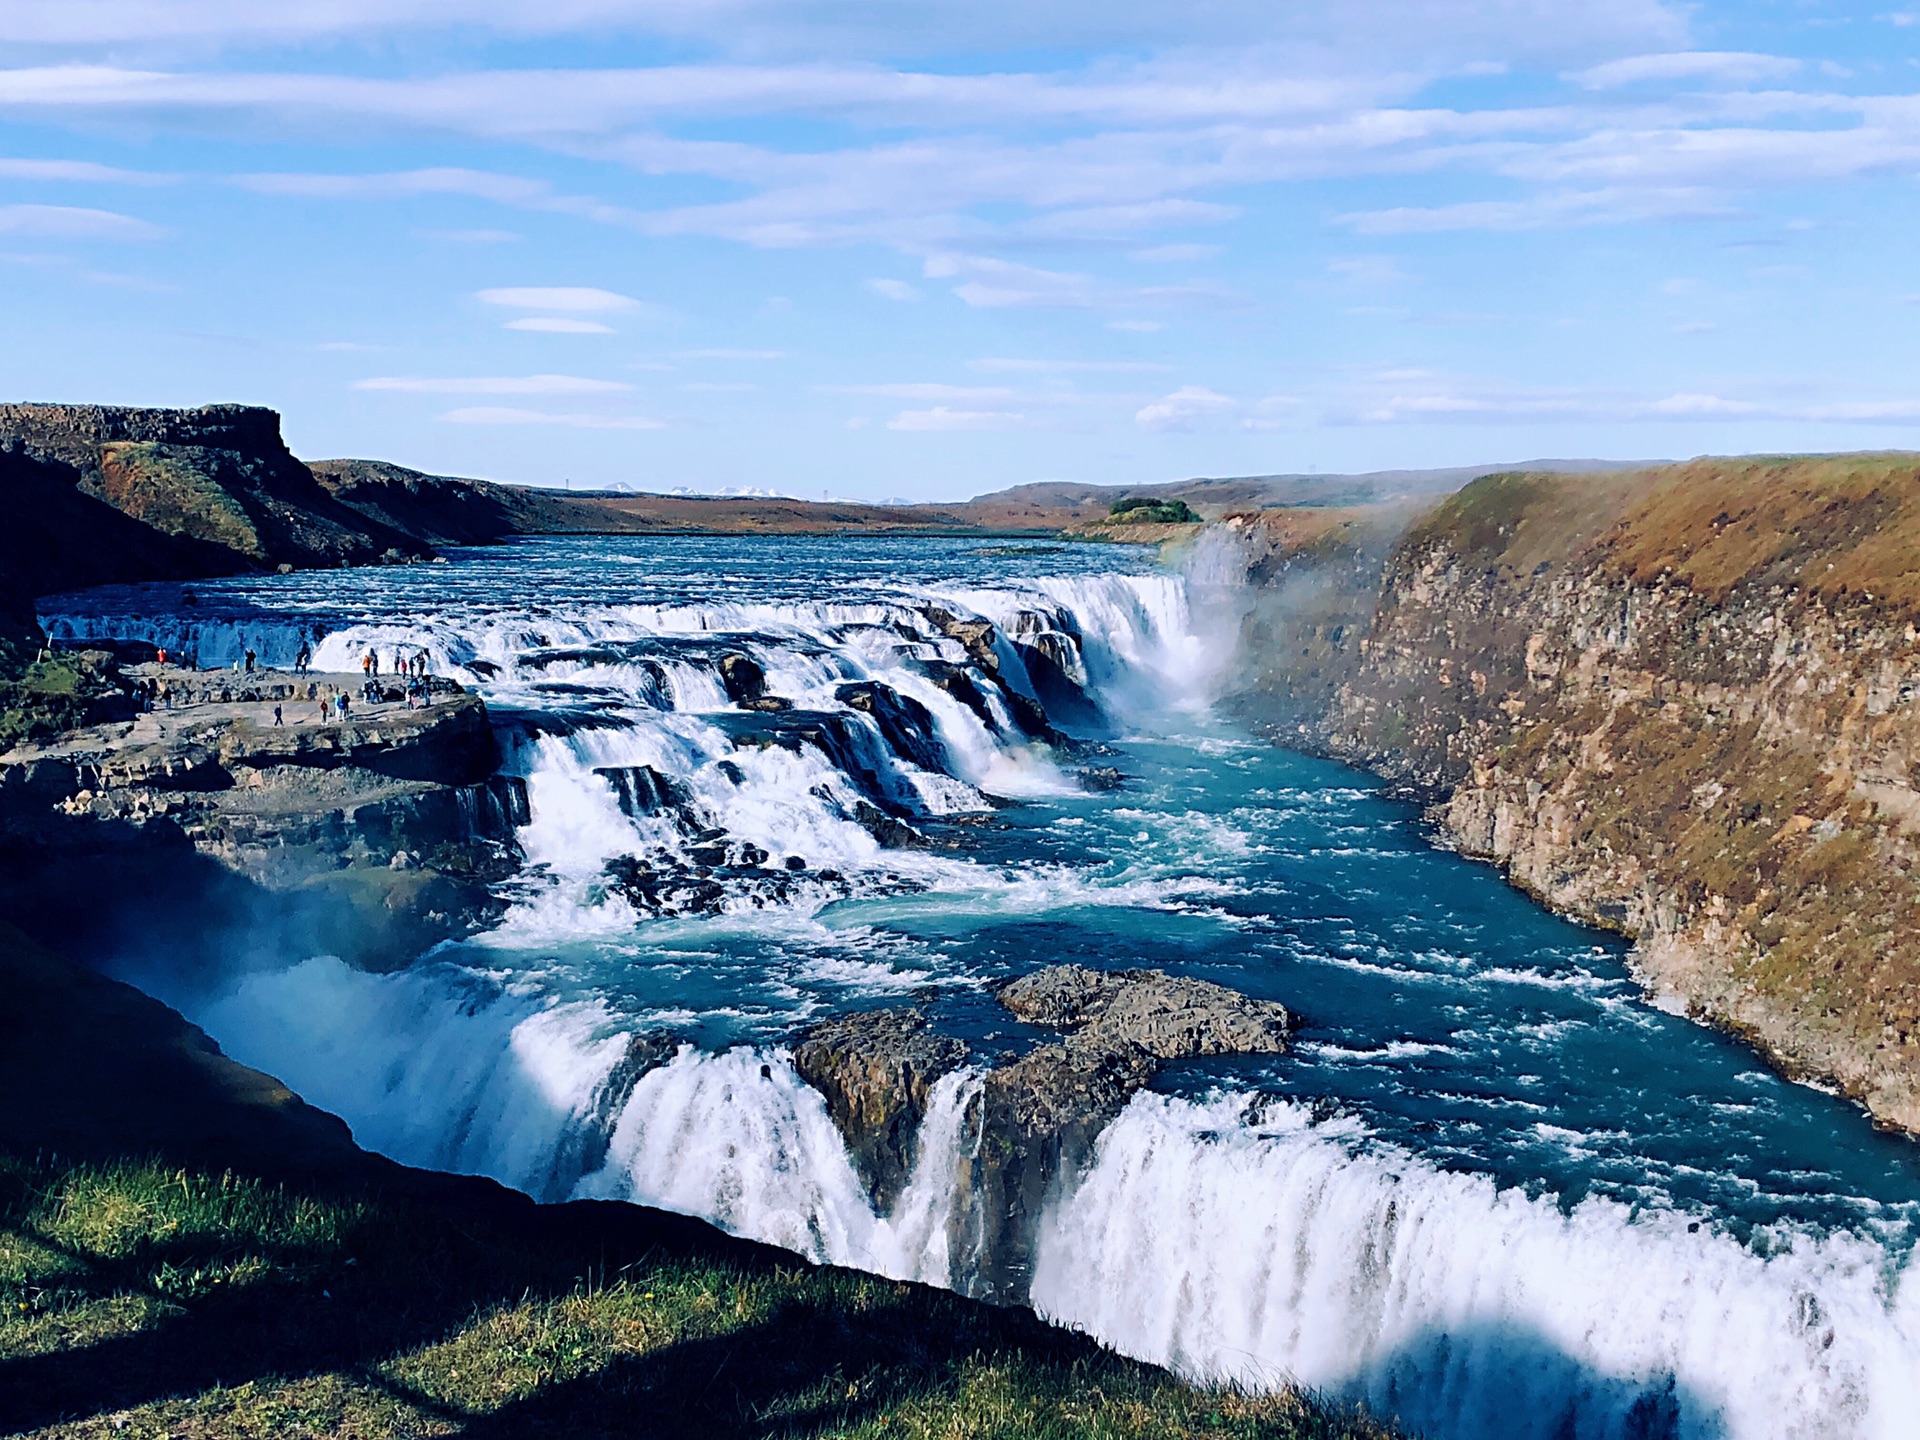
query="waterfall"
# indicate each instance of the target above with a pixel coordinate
(722, 772)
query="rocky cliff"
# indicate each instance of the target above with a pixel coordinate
(204, 828)
(219, 478)
(1682, 703)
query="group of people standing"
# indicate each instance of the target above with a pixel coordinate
(333, 704)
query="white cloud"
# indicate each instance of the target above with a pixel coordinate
(574, 299)
(1048, 367)
(914, 390)
(1368, 269)
(1185, 409)
(987, 283)
(505, 415)
(78, 171)
(1614, 205)
(720, 353)
(942, 418)
(69, 222)
(1727, 67)
(1440, 32)
(559, 325)
(893, 289)
(492, 385)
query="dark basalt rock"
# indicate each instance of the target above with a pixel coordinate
(1050, 659)
(746, 684)
(832, 732)
(905, 724)
(1035, 1119)
(976, 637)
(643, 790)
(877, 1071)
(894, 833)
(955, 680)
(1099, 779)
(708, 877)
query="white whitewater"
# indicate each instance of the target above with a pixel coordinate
(1228, 1237)
(1252, 1245)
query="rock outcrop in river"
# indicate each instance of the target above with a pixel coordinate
(1681, 703)
(1033, 1120)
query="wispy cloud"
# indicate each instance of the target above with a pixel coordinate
(559, 325)
(69, 222)
(507, 415)
(573, 299)
(926, 390)
(491, 385)
(940, 417)
(1185, 409)
(893, 289)
(1612, 206)
(1726, 67)
(1018, 365)
(84, 172)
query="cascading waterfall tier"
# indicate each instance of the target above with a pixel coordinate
(1527, 1207)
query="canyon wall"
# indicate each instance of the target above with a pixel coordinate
(1680, 703)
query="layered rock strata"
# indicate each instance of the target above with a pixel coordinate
(380, 832)
(1683, 704)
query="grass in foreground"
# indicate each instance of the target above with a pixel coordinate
(140, 1300)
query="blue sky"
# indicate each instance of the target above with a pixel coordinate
(885, 250)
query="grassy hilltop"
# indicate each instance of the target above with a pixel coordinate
(253, 1273)
(144, 1300)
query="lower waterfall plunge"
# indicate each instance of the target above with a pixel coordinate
(1490, 1191)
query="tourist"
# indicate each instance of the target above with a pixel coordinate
(277, 718)
(250, 659)
(303, 659)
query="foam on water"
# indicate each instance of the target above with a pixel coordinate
(1248, 1242)
(1523, 1204)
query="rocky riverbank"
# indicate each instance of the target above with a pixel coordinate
(1681, 703)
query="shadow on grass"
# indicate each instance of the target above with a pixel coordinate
(395, 1276)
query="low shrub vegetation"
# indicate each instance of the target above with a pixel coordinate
(1144, 510)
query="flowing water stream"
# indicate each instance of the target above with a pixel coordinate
(1491, 1190)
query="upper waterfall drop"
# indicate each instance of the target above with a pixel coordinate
(770, 786)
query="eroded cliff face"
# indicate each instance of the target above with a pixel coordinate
(1683, 704)
(218, 479)
(208, 831)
